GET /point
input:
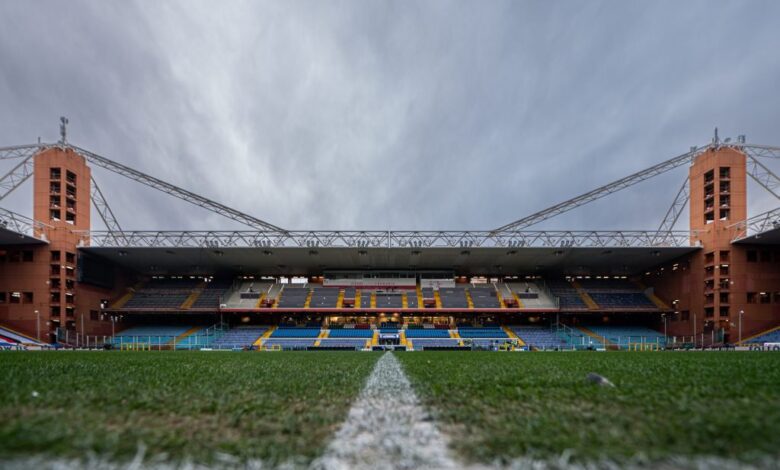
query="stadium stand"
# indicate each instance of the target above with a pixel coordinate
(617, 294)
(533, 295)
(568, 297)
(411, 299)
(324, 297)
(349, 297)
(539, 337)
(212, 294)
(453, 297)
(484, 296)
(239, 337)
(246, 294)
(389, 300)
(162, 293)
(768, 337)
(295, 332)
(351, 333)
(482, 332)
(292, 337)
(426, 333)
(429, 298)
(293, 297)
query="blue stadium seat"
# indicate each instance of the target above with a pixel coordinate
(427, 333)
(296, 333)
(351, 333)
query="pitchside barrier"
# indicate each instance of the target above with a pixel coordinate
(644, 347)
(135, 347)
(764, 347)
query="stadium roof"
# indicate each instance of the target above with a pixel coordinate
(466, 261)
(770, 237)
(11, 237)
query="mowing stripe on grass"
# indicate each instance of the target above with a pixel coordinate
(387, 428)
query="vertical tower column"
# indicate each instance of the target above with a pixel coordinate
(718, 198)
(61, 199)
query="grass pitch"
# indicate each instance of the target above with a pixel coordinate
(285, 407)
(511, 405)
(276, 407)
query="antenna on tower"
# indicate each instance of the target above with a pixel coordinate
(715, 138)
(63, 129)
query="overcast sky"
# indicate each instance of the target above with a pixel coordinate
(389, 115)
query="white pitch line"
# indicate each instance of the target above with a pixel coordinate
(387, 428)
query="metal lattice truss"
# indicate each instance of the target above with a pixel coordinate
(16, 176)
(763, 176)
(760, 151)
(175, 191)
(603, 191)
(22, 172)
(677, 207)
(391, 239)
(103, 209)
(20, 151)
(20, 224)
(756, 225)
(758, 171)
(510, 235)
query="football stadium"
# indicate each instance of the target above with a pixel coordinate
(334, 348)
(389, 235)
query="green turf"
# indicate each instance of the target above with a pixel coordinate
(508, 405)
(271, 406)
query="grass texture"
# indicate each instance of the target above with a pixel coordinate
(501, 406)
(272, 407)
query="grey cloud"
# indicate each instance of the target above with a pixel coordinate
(380, 115)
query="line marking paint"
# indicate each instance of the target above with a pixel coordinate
(387, 428)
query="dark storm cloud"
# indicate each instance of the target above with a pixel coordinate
(389, 115)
